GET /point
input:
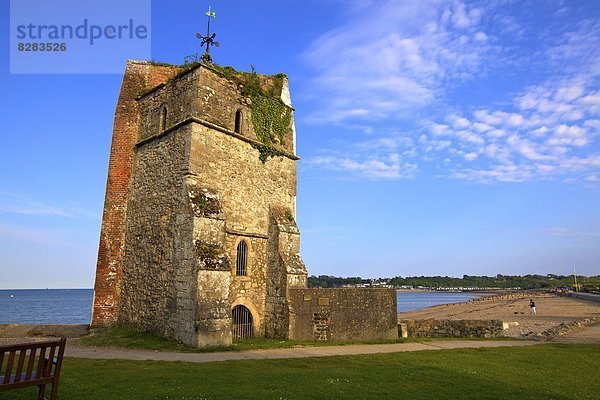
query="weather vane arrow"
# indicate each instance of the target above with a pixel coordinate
(208, 40)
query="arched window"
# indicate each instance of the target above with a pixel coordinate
(238, 121)
(242, 322)
(242, 254)
(163, 119)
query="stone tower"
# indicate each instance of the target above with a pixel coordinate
(199, 237)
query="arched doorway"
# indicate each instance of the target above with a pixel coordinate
(241, 322)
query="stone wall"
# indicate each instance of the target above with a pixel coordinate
(178, 97)
(159, 282)
(246, 186)
(139, 75)
(343, 314)
(201, 92)
(248, 190)
(213, 318)
(219, 99)
(285, 270)
(449, 328)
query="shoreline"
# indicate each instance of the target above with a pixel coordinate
(553, 312)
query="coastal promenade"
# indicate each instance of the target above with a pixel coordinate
(587, 296)
(553, 311)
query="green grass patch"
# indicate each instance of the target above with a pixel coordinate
(533, 372)
(127, 338)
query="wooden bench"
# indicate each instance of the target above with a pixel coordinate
(32, 364)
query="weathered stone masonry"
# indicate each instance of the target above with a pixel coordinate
(138, 77)
(194, 190)
(343, 314)
(190, 180)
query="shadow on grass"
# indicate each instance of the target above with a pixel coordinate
(546, 371)
(125, 337)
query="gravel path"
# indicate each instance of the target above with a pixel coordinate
(297, 352)
(587, 334)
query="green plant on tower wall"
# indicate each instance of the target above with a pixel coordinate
(271, 117)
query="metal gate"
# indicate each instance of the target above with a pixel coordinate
(242, 322)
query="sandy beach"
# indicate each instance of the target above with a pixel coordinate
(552, 311)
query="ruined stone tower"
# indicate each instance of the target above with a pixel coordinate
(199, 239)
(198, 233)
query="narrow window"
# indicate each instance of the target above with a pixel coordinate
(163, 119)
(240, 265)
(238, 121)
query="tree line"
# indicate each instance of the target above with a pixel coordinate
(467, 281)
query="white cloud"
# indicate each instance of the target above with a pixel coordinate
(389, 166)
(468, 136)
(387, 157)
(565, 135)
(541, 131)
(499, 173)
(481, 127)
(460, 122)
(552, 135)
(562, 231)
(470, 156)
(397, 60)
(409, 61)
(593, 178)
(439, 129)
(576, 49)
(481, 36)
(11, 203)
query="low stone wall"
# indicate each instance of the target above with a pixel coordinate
(450, 328)
(562, 328)
(504, 296)
(585, 296)
(343, 314)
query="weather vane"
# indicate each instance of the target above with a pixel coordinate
(208, 40)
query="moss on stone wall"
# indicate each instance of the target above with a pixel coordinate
(204, 203)
(267, 151)
(211, 256)
(271, 117)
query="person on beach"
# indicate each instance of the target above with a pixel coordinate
(532, 306)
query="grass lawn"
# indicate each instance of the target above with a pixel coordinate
(534, 372)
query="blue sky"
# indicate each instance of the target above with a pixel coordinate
(436, 137)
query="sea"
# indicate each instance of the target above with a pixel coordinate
(74, 306)
(415, 300)
(46, 306)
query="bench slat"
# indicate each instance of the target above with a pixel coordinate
(33, 382)
(50, 362)
(31, 345)
(13, 378)
(9, 365)
(20, 363)
(30, 364)
(41, 359)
